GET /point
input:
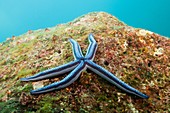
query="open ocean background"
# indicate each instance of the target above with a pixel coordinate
(19, 16)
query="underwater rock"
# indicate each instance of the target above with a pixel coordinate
(139, 57)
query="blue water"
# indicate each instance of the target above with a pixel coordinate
(19, 16)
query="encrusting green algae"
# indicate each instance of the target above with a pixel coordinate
(138, 57)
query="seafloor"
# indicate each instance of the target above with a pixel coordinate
(138, 57)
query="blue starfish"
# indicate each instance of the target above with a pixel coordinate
(76, 67)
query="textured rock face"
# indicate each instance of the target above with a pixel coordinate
(138, 57)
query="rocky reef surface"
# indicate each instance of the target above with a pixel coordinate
(139, 57)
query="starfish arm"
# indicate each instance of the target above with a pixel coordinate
(77, 53)
(53, 72)
(91, 51)
(113, 79)
(73, 76)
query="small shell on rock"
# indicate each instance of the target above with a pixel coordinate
(143, 32)
(142, 40)
(8, 39)
(158, 52)
(68, 29)
(125, 45)
(31, 37)
(37, 85)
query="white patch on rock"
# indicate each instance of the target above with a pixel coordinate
(37, 85)
(158, 51)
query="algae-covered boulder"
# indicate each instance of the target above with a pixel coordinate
(138, 57)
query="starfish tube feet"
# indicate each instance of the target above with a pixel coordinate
(54, 72)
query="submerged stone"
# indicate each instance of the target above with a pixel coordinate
(139, 57)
